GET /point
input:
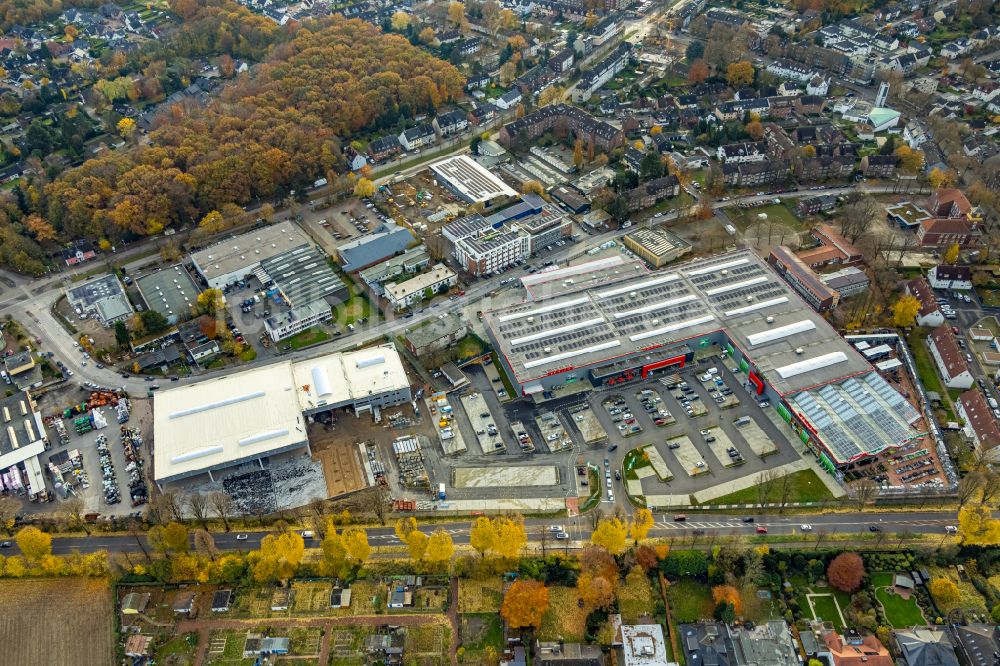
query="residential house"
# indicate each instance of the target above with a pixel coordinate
(952, 220)
(755, 173)
(708, 643)
(809, 105)
(788, 69)
(651, 193)
(578, 122)
(415, 138)
(980, 424)
(950, 277)
(930, 312)
(977, 644)
(739, 153)
(470, 46)
(402, 295)
(815, 204)
(562, 62)
(768, 644)
(825, 167)
(451, 122)
(949, 358)
(925, 646)
(592, 79)
(380, 150)
(508, 100)
(818, 85)
(879, 166)
(641, 645)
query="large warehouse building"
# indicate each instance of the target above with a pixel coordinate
(236, 258)
(248, 416)
(656, 322)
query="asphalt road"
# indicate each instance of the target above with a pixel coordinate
(30, 303)
(579, 529)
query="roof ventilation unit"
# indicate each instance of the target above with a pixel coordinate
(632, 294)
(770, 320)
(531, 320)
(547, 350)
(800, 351)
(725, 271)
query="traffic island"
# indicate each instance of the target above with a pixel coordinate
(687, 456)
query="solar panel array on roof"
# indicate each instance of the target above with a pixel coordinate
(861, 415)
(892, 398)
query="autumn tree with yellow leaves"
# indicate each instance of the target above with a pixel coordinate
(611, 534)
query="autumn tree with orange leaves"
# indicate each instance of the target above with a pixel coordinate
(524, 604)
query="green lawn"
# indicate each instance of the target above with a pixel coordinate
(355, 308)
(806, 487)
(922, 358)
(825, 607)
(989, 297)
(899, 612)
(469, 346)
(776, 213)
(690, 601)
(310, 336)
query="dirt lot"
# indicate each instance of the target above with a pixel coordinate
(65, 621)
(341, 460)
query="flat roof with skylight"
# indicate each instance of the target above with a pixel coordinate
(242, 417)
(792, 345)
(219, 422)
(470, 180)
(253, 247)
(170, 291)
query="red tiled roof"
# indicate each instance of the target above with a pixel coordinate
(830, 236)
(946, 197)
(946, 225)
(870, 652)
(920, 290)
(980, 417)
(946, 345)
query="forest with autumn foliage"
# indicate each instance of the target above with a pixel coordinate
(275, 129)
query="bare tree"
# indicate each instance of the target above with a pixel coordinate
(198, 505)
(375, 500)
(74, 509)
(860, 214)
(204, 544)
(765, 484)
(172, 505)
(990, 487)
(223, 505)
(785, 490)
(135, 530)
(864, 490)
(968, 487)
(9, 508)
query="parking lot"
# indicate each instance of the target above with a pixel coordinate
(757, 439)
(483, 424)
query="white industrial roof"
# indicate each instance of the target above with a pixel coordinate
(216, 422)
(348, 377)
(471, 179)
